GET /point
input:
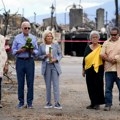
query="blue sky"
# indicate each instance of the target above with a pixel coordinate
(30, 7)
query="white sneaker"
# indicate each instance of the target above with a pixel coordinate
(58, 106)
(107, 108)
(48, 105)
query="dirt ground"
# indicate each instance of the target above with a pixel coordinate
(73, 92)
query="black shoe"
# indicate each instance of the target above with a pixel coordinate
(20, 106)
(30, 106)
(96, 107)
(90, 107)
(1, 105)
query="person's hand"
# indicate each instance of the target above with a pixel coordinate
(83, 73)
(5, 70)
(53, 60)
(104, 57)
(31, 51)
(47, 55)
(108, 59)
(113, 61)
(21, 50)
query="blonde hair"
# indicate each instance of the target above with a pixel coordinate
(45, 33)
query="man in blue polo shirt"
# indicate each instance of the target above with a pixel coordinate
(25, 66)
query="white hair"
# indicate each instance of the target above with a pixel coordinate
(25, 23)
(94, 32)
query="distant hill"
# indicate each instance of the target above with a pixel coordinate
(109, 7)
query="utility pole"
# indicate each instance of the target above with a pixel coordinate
(116, 13)
(106, 17)
(52, 12)
(22, 17)
(34, 17)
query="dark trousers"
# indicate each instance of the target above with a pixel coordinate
(0, 87)
(25, 70)
(95, 85)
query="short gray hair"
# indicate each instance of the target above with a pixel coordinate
(94, 32)
(25, 23)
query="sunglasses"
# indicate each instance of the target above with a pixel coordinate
(114, 34)
(25, 28)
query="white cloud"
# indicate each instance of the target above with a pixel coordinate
(43, 6)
